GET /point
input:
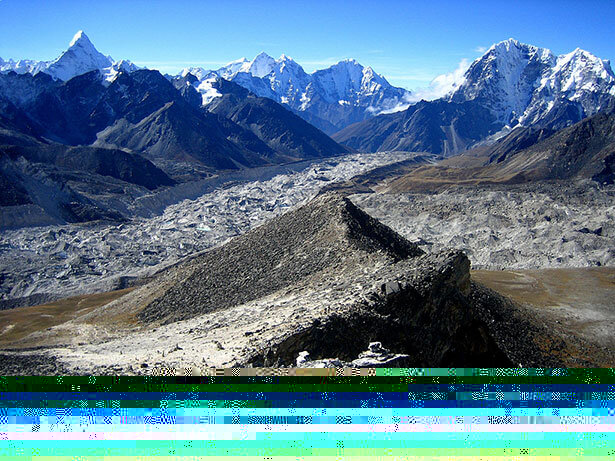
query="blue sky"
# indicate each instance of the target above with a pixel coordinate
(408, 42)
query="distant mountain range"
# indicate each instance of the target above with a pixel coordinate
(146, 130)
(77, 130)
(330, 99)
(512, 84)
(85, 98)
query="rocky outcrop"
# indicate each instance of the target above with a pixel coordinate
(328, 233)
(328, 279)
(419, 307)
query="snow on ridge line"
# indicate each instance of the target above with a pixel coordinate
(80, 57)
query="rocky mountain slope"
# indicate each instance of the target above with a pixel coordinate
(333, 292)
(439, 127)
(54, 183)
(282, 131)
(326, 235)
(527, 155)
(512, 84)
(584, 150)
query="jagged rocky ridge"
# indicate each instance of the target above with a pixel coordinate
(320, 236)
(330, 98)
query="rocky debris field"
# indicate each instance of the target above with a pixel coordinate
(375, 286)
(547, 224)
(62, 260)
(30, 364)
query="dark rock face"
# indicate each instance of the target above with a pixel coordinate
(13, 193)
(179, 132)
(164, 124)
(60, 179)
(519, 139)
(607, 173)
(439, 127)
(283, 131)
(161, 120)
(583, 150)
(118, 164)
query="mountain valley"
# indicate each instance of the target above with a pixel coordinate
(259, 215)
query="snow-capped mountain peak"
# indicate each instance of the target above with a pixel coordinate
(80, 39)
(260, 66)
(198, 72)
(110, 73)
(523, 83)
(504, 77)
(505, 45)
(80, 57)
(231, 68)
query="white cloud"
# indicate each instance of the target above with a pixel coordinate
(437, 88)
(480, 49)
(442, 84)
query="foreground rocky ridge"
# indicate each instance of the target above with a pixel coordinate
(328, 234)
(342, 280)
